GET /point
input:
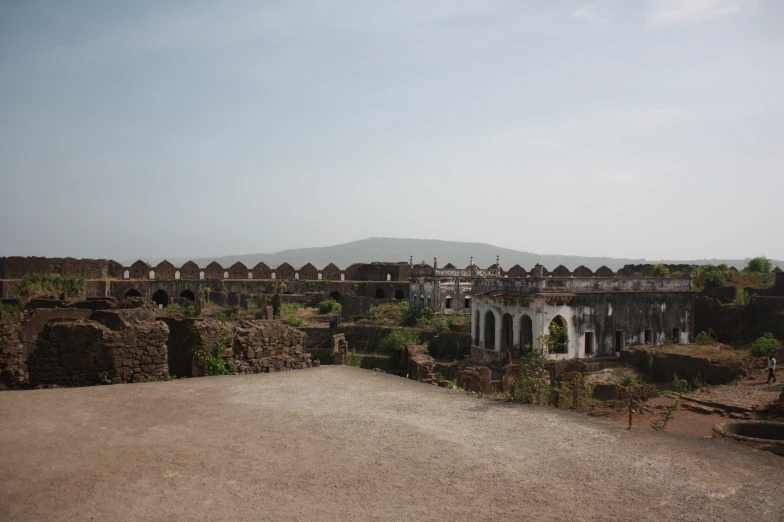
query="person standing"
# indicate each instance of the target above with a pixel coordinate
(771, 369)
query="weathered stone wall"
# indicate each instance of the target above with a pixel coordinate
(664, 365)
(475, 379)
(732, 323)
(13, 359)
(419, 365)
(266, 347)
(83, 353)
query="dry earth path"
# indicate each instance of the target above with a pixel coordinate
(339, 443)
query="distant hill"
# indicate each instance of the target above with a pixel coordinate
(455, 252)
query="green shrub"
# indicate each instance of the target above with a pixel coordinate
(442, 326)
(425, 314)
(705, 337)
(289, 314)
(9, 308)
(329, 307)
(679, 385)
(529, 387)
(660, 271)
(629, 380)
(353, 359)
(396, 341)
(759, 265)
(714, 280)
(765, 345)
(37, 284)
(213, 359)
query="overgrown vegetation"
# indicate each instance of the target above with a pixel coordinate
(396, 314)
(396, 341)
(758, 273)
(660, 271)
(765, 345)
(529, 387)
(289, 314)
(704, 337)
(213, 360)
(186, 311)
(679, 385)
(667, 416)
(556, 340)
(329, 307)
(629, 380)
(9, 308)
(33, 285)
(352, 359)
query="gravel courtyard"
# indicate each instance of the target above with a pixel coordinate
(339, 443)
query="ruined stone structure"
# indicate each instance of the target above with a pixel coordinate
(603, 314)
(445, 290)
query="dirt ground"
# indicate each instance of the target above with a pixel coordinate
(340, 443)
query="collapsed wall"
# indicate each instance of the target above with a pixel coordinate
(13, 364)
(85, 352)
(265, 347)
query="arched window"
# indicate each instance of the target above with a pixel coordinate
(526, 334)
(342, 277)
(399, 294)
(201, 275)
(336, 296)
(274, 276)
(152, 274)
(250, 275)
(296, 275)
(379, 293)
(126, 274)
(161, 298)
(177, 275)
(389, 277)
(319, 276)
(132, 293)
(187, 294)
(506, 332)
(225, 275)
(489, 331)
(560, 345)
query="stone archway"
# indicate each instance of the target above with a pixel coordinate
(161, 298)
(132, 293)
(489, 331)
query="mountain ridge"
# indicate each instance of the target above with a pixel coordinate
(456, 252)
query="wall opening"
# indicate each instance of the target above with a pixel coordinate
(274, 276)
(489, 331)
(177, 275)
(187, 294)
(428, 302)
(319, 276)
(161, 298)
(526, 334)
(201, 275)
(561, 342)
(152, 274)
(507, 331)
(467, 302)
(399, 294)
(379, 293)
(477, 317)
(342, 277)
(132, 293)
(648, 336)
(620, 340)
(250, 275)
(588, 343)
(448, 303)
(296, 276)
(336, 296)
(126, 275)
(676, 335)
(225, 275)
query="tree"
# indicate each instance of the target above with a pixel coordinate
(660, 271)
(714, 280)
(760, 265)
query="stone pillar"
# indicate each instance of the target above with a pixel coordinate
(277, 304)
(516, 334)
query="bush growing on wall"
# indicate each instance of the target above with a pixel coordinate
(765, 345)
(660, 271)
(40, 284)
(395, 342)
(714, 280)
(328, 307)
(759, 265)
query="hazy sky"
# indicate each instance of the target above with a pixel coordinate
(183, 129)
